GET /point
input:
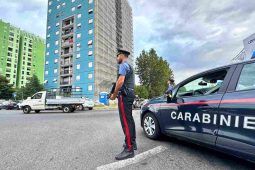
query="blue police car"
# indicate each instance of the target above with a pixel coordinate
(215, 108)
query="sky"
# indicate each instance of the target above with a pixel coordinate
(192, 35)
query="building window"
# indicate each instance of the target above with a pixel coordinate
(58, 6)
(57, 32)
(78, 35)
(55, 71)
(57, 24)
(73, 8)
(90, 21)
(91, 11)
(79, 15)
(79, 6)
(47, 62)
(47, 53)
(46, 72)
(73, 0)
(49, 27)
(90, 76)
(48, 36)
(56, 61)
(64, 4)
(50, 3)
(90, 42)
(90, 53)
(78, 45)
(90, 88)
(55, 80)
(90, 64)
(90, 1)
(78, 55)
(48, 45)
(79, 25)
(56, 42)
(90, 32)
(78, 78)
(49, 11)
(78, 67)
(56, 51)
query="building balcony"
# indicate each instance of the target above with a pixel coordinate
(67, 54)
(65, 83)
(67, 26)
(67, 35)
(66, 63)
(66, 73)
(67, 44)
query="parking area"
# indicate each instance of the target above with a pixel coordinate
(90, 140)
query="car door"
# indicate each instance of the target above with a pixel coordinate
(195, 104)
(37, 102)
(237, 110)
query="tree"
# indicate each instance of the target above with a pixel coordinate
(142, 92)
(33, 86)
(6, 89)
(153, 72)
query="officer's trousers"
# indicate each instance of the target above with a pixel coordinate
(126, 118)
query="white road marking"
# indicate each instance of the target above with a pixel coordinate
(138, 158)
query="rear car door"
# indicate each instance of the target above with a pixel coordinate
(237, 114)
(195, 104)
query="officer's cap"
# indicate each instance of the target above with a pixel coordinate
(121, 51)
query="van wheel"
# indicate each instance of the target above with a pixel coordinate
(26, 109)
(80, 108)
(151, 126)
(66, 109)
(37, 111)
(90, 108)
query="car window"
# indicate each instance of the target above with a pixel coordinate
(37, 96)
(205, 85)
(247, 78)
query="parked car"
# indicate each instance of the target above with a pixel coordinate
(9, 105)
(215, 109)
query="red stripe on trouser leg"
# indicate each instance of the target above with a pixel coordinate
(127, 132)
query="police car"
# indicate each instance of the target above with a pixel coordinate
(215, 108)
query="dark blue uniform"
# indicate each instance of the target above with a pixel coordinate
(125, 102)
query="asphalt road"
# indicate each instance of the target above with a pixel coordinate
(89, 139)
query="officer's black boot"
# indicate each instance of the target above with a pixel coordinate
(125, 154)
(134, 145)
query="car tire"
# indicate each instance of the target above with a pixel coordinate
(66, 109)
(26, 109)
(37, 111)
(151, 126)
(90, 108)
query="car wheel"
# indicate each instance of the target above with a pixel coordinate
(151, 126)
(90, 108)
(37, 111)
(26, 110)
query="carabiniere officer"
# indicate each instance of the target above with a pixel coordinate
(124, 90)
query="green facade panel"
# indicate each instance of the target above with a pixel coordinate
(21, 55)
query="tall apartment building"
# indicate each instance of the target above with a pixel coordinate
(82, 38)
(21, 55)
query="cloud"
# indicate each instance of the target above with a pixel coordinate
(193, 35)
(29, 15)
